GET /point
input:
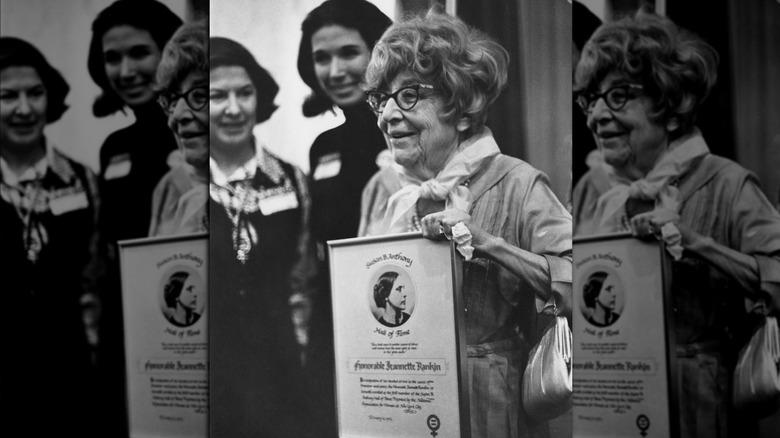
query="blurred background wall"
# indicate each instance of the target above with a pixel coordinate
(531, 120)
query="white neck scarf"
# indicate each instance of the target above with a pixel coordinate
(446, 186)
(655, 186)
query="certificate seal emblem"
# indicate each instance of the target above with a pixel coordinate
(434, 424)
(643, 423)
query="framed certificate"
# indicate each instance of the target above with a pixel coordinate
(399, 338)
(164, 304)
(624, 380)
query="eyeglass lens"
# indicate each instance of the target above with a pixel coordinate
(615, 98)
(196, 98)
(406, 98)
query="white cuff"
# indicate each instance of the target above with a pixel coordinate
(462, 237)
(673, 239)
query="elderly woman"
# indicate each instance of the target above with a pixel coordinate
(431, 81)
(48, 208)
(640, 82)
(260, 256)
(180, 199)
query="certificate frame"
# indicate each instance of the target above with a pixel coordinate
(624, 368)
(408, 380)
(166, 357)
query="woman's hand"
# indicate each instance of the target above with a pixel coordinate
(434, 223)
(649, 224)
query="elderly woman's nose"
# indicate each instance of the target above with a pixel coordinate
(181, 110)
(391, 112)
(600, 112)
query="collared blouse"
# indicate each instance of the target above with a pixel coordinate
(511, 200)
(722, 202)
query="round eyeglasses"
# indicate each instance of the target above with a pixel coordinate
(615, 97)
(406, 98)
(196, 98)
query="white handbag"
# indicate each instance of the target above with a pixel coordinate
(547, 381)
(756, 377)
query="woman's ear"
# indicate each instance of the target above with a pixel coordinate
(673, 124)
(464, 123)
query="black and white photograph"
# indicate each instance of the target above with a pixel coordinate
(271, 129)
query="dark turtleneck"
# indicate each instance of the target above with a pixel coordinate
(127, 200)
(336, 215)
(336, 200)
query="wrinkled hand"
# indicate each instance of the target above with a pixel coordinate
(645, 225)
(434, 223)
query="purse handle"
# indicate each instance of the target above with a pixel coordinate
(772, 338)
(563, 335)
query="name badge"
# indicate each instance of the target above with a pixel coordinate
(119, 167)
(328, 167)
(70, 202)
(277, 203)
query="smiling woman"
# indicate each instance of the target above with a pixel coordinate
(640, 82)
(431, 81)
(340, 59)
(127, 39)
(131, 58)
(335, 47)
(180, 198)
(24, 126)
(260, 256)
(48, 211)
(126, 47)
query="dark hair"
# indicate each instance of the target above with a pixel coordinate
(676, 68)
(359, 15)
(15, 52)
(148, 15)
(226, 52)
(173, 287)
(187, 51)
(383, 287)
(592, 287)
